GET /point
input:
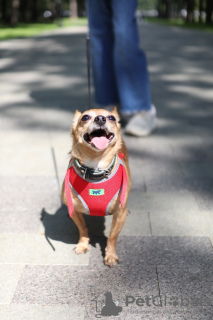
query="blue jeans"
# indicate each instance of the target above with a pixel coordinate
(119, 66)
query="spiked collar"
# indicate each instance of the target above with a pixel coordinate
(94, 174)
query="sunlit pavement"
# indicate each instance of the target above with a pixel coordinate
(165, 248)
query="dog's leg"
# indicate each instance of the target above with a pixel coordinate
(118, 221)
(83, 243)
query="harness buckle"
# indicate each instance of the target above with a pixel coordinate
(84, 172)
(106, 173)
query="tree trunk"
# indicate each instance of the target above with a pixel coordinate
(200, 9)
(74, 8)
(168, 9)
(28, 11)
(34, 11)
(3, 11)
(190, 10)
(52, 7)
(59, 10)
(209, 10)
(15, 12)
(81, 8)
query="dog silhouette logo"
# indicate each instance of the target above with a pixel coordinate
(110, 308)
(106, 307)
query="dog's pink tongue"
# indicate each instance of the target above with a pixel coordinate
(100, 142)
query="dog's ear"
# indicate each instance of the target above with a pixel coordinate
(115, 110)
(76, 118)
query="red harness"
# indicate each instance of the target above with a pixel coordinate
(97, 196)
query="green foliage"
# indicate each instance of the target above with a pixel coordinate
(31, 29)
(30, 10)
(147, 4)
(178, 22)
(26, 11)
(171, 9)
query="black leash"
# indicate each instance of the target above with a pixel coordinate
(88, 67)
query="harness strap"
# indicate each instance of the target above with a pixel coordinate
(68, 193)
(124, 182)
(124, 188)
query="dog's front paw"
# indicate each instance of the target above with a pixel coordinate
(82, 246)
(111, 259)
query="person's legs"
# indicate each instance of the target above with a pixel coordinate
(130, 61)
(101, 37)
(119, 65)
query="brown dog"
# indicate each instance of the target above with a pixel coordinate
(98, 154)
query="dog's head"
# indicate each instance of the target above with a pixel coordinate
(96, 129)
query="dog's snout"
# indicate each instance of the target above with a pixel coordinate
(100, 120)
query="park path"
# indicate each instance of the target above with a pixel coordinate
(165, 248)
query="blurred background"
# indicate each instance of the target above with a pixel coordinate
(48, 14)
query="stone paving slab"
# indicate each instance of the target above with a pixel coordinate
(62, 159)
(181, 224)
(23, 201)
(166, 201)
(194, 153)
(183, 272)
(24, 192)
(211, 240)
(200, 293)
(201, 188)
(136, 220)
(22, 114)
(75, 286)
(34, 161)
(41, 312)
(9, 277)
(16, 139)
(38, 250)
(59, 123)
(150, 313)
(192, 281)
(171, 213)
(20, 221)
(204, 200)
(154, 251)
(61, 144)
(169, 183)
(72, 285)
(203, 169)
(158, 171)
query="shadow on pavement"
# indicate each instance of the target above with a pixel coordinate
(52, 71)
(60, 227)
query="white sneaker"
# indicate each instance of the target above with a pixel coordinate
(143, 123)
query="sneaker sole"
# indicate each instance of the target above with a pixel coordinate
(142, 133)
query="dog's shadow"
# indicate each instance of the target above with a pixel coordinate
(60, 227)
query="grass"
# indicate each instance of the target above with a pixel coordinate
(178, 22)
(28, 30)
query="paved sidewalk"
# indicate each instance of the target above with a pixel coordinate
(165, 248)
